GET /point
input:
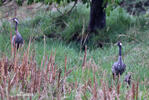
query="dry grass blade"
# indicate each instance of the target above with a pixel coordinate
(54, 73)
(65, 65)
(39, 82)
(128, 95)
(137, 89)
(133, 91)
(78, 94)
(11, 44)
(118, 87)
(28, 49)
(84, 59)
(2, 93)
(64, 84)
(2, 69)
(49, 63)
(94, 87)
(58, 85)
(45, 63)
(104, 90)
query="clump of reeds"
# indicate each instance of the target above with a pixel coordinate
(21, 73)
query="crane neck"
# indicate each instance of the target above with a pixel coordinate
(16, 30)
(120, 59)
(16, 27)
(120, 50)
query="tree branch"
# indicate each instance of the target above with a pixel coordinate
(69, 11)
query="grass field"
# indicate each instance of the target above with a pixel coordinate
(57, 68)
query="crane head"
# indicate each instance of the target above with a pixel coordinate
(119, 43)
(15, 20)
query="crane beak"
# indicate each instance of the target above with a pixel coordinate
(10, 19)
(115, 44)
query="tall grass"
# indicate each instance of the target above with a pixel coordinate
(22, 78)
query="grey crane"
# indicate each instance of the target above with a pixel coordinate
(118, 67)
(128, 79)
(17, 39)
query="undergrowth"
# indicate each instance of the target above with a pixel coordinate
(73, 27)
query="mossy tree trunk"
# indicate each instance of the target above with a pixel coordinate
(97, 15)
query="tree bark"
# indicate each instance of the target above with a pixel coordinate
(97, 15)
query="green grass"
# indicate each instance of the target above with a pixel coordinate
(131, 30)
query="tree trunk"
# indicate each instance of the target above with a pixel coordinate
(97, 15)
